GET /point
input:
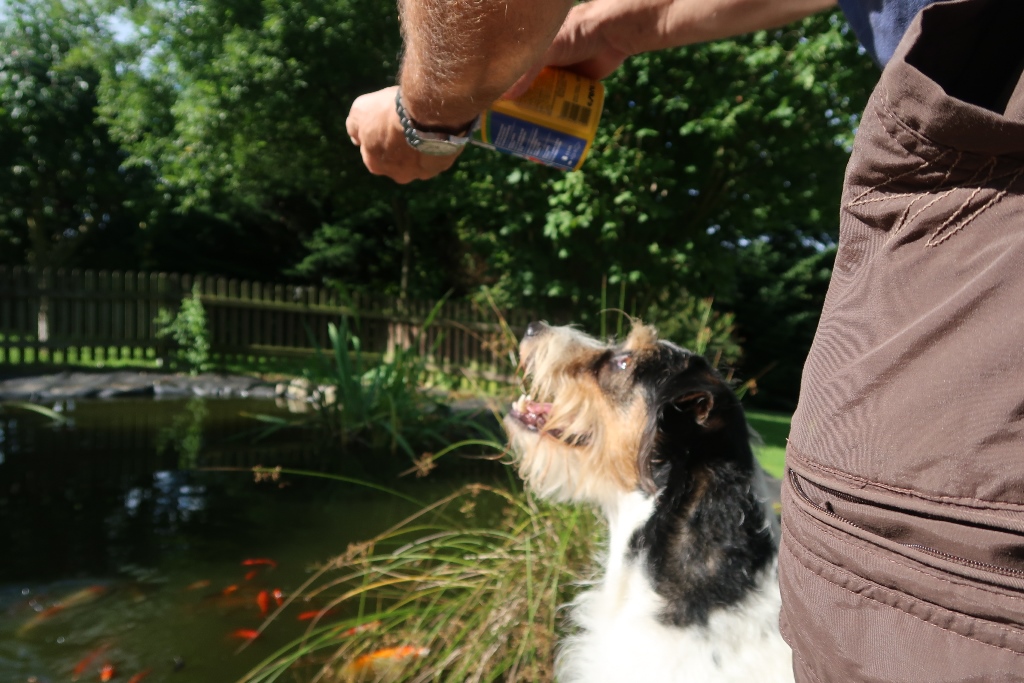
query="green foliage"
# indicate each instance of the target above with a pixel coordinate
(189, 331)
(185, 434)
(373, 410)
(781, 291)
(485, 598)
(696, 324)
(62, 184)
(701, 151)
(233, 114)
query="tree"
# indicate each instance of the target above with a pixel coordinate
(241, 107)
(61, 177)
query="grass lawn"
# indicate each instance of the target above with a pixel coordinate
(773, 429)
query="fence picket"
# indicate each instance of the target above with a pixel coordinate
(110, 314)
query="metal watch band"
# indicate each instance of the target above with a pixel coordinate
(428, 142)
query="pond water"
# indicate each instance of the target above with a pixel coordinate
(119, 547)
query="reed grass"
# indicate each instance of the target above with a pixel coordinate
(477, 578)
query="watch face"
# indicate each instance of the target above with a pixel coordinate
(441, 148)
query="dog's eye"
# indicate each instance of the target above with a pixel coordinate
(621, 361)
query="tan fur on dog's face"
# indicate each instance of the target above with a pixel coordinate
(578, 432)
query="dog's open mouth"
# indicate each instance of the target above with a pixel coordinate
(532, 414)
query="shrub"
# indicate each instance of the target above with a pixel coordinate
(188, 330)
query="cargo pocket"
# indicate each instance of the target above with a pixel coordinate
(885, 592)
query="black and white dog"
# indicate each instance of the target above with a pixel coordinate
(651, 433)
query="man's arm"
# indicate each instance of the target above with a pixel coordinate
(598, 36)
(462, 55)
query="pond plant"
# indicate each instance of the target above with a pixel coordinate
(466, 589)
(374, 408)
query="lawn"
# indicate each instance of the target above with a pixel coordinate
(773, 428)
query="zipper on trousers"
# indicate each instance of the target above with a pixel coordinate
(828, 510)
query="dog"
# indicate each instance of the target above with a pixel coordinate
(651, 434)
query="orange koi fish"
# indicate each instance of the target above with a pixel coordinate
(245, 633)
(230, 589)
(137, 678)
(76, 599)
(250, 575)
(254, 561)
(361, 628)
(263, 600)
(39, 618)
(278, 596)
(107, 673)
(202, 583)
(86, 661)
(389, 656)
(317, 614)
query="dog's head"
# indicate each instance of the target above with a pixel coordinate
(602, 419)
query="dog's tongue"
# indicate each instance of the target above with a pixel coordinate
(531, 413)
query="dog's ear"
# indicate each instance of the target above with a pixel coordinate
(700, 402)
(682, 411)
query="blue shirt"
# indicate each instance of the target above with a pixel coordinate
(880, 24)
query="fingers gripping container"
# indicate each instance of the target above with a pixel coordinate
(553, 123)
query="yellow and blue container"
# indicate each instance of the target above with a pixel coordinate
(553, 123)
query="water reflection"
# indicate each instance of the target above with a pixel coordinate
(114, 541)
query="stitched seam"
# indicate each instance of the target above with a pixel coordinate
(904, 221)
(990, 164)
(981, 504)
(875, 600)
(966, 583)
(936, 240)
(859, 199)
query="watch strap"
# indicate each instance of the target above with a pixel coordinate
(416, 135)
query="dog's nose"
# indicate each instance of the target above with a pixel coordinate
(535, 328)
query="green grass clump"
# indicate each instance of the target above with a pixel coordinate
(773, 428)
(476, 578)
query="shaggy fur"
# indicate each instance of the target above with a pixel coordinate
(651, 434)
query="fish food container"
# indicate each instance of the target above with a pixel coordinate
(553, 123)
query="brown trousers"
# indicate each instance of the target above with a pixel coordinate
(903, 521)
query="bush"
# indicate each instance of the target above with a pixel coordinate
(188, 330)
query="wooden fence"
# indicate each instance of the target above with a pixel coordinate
(66, 316)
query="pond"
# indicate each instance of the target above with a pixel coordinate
(123, 547)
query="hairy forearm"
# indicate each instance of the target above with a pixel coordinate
(461, 55)
(635, 26)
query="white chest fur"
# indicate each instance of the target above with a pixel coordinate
(621, 639)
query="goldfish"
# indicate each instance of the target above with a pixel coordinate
(84, 663)
(278, 596)
(39, 618)
(108, 672)
(253, 561)
(361, 628)
(246, 633)
(229, 590)
(316, 614)
(76, 599)
(263, 600)
(249, 576)
(137, 678)
(202, 583)
(378, 663)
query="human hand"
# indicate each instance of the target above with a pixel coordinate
(373, 126)
(577, 47)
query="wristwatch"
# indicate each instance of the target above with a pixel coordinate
(430, 142)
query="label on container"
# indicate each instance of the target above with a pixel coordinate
(537, 143)
(553, 123)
